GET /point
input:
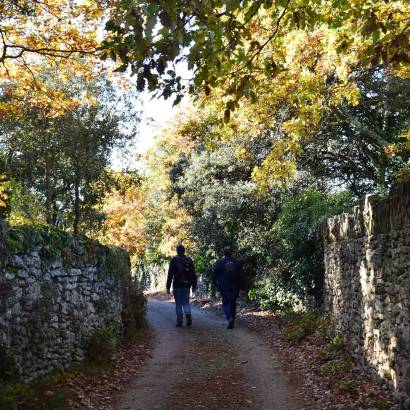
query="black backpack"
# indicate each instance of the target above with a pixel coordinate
(184, 273)
(230, 271)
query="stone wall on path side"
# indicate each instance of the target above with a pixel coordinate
(367, 284)
(55, 291)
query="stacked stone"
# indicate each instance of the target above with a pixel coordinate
(367, 284)
(51, 303)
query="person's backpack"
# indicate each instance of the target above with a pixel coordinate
(230, 272)
(184, 273)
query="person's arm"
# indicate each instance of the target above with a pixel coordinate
(170, 275)
(242, 279)
(215, 275)
(194, 278)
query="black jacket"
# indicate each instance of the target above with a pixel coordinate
(173, 270)
(220, 280)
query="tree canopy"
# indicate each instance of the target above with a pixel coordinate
(235, 43)
(262, 63)
(296, 108)
(63, 160)
(45, 32)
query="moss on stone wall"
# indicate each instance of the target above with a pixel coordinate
(55, 290)
(73, 250)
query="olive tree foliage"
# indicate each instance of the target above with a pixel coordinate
(63, 160)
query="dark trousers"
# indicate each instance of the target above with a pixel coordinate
(229, 303)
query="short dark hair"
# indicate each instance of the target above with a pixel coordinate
(228, 251)
(180, 249)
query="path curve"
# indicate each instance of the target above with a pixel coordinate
(206, 367)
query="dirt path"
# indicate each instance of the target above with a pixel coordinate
(206, 367)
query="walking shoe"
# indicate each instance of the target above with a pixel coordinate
(189, 320)
(178, 325)
(231, 324)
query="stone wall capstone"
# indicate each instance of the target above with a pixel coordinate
(55, 290)
(367, 284)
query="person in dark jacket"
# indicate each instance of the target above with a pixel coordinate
(181, 274)
(228, 278)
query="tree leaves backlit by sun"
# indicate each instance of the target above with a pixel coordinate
(253, 59)
(230, 42)
(44, 33)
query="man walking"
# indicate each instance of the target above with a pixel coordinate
(181, 274)
(228, 278)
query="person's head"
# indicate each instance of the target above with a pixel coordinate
(180, 249)
(228, 251)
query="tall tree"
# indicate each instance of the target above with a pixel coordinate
(64, 158)
(364, 146)
(124, 208)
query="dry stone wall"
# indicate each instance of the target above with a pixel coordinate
(55, 291)
(367, 284)
(152, 278)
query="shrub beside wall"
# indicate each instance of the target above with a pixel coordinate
(367, 284)
(55, 292)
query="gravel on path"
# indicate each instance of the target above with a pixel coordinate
(207, 367)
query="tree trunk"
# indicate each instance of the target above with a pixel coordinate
(77, 202)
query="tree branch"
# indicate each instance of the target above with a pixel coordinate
(375, 137)
(270, 38)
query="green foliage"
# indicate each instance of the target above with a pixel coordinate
(273, 295)
(297, 231)
(338, 342)
(58, 165)
(36, 396)
(336, 368)
(152, 257)
(56, 243)
(113, 260)
(14, 246)
(5, 184)
(384, 404)
(199, 262)
(349, 385)
(8, 367)
(134, 312)
(101, 345)
(307, 324)
(215, 190)
(25, 206)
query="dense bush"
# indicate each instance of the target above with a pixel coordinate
(101, 345)
(134, 312)
(291, 272)
(271, 294)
